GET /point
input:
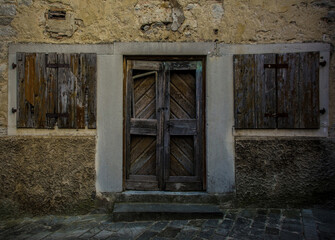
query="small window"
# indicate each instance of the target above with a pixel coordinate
(56, 89)
(277, 91)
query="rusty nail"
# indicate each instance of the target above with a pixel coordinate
(14, 110)
(13, 65)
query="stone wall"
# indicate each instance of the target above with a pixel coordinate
(226, 21)
(285, 172)
(50, 175)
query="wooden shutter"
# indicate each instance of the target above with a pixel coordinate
(33, 92)
(277, 90)
(298, 90)
(255, 91)
(56, 86)
(309, 90)
(288, 91)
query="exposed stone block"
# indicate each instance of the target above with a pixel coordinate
(324, 3)
(4, 21)
(7, 10)
(25, 2)
(7, 31)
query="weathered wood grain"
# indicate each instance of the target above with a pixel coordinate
(265, 91)
(288, 90)
(309, 90)
(22, 114)
(244, 92)
(52, 89)
(143, 127)
(40, 91)
(66, 98)
(182, 127)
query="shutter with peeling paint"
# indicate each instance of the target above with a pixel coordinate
(56, 88)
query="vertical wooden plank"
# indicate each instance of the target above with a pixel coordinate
(79, 90)
(244, 83)
(90, 68)
(29, 100)
(128, 116)
(40, 91)
(66, 98)
(165, 98)
(265, 91)
(52, 90)
(198, 138)
(288, 91)
(309, 90)
(21, 115)
(162, 79)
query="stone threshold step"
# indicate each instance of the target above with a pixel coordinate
(167, 197)
(164, 211)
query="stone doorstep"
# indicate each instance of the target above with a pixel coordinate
(172, 197)
(164, 211)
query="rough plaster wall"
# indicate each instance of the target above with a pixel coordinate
(228, 21)
(280, 172)
(46, 174)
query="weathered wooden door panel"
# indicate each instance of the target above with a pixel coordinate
(185, 124)
(142, 136)
(164, 124)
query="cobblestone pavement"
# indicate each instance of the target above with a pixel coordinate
(236, 224)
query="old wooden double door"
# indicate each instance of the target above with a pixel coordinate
(164, 125)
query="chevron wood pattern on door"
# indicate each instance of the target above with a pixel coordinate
(182, 104)
(182, 156)
(143, 155)
(182, 95)
(144, 99)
